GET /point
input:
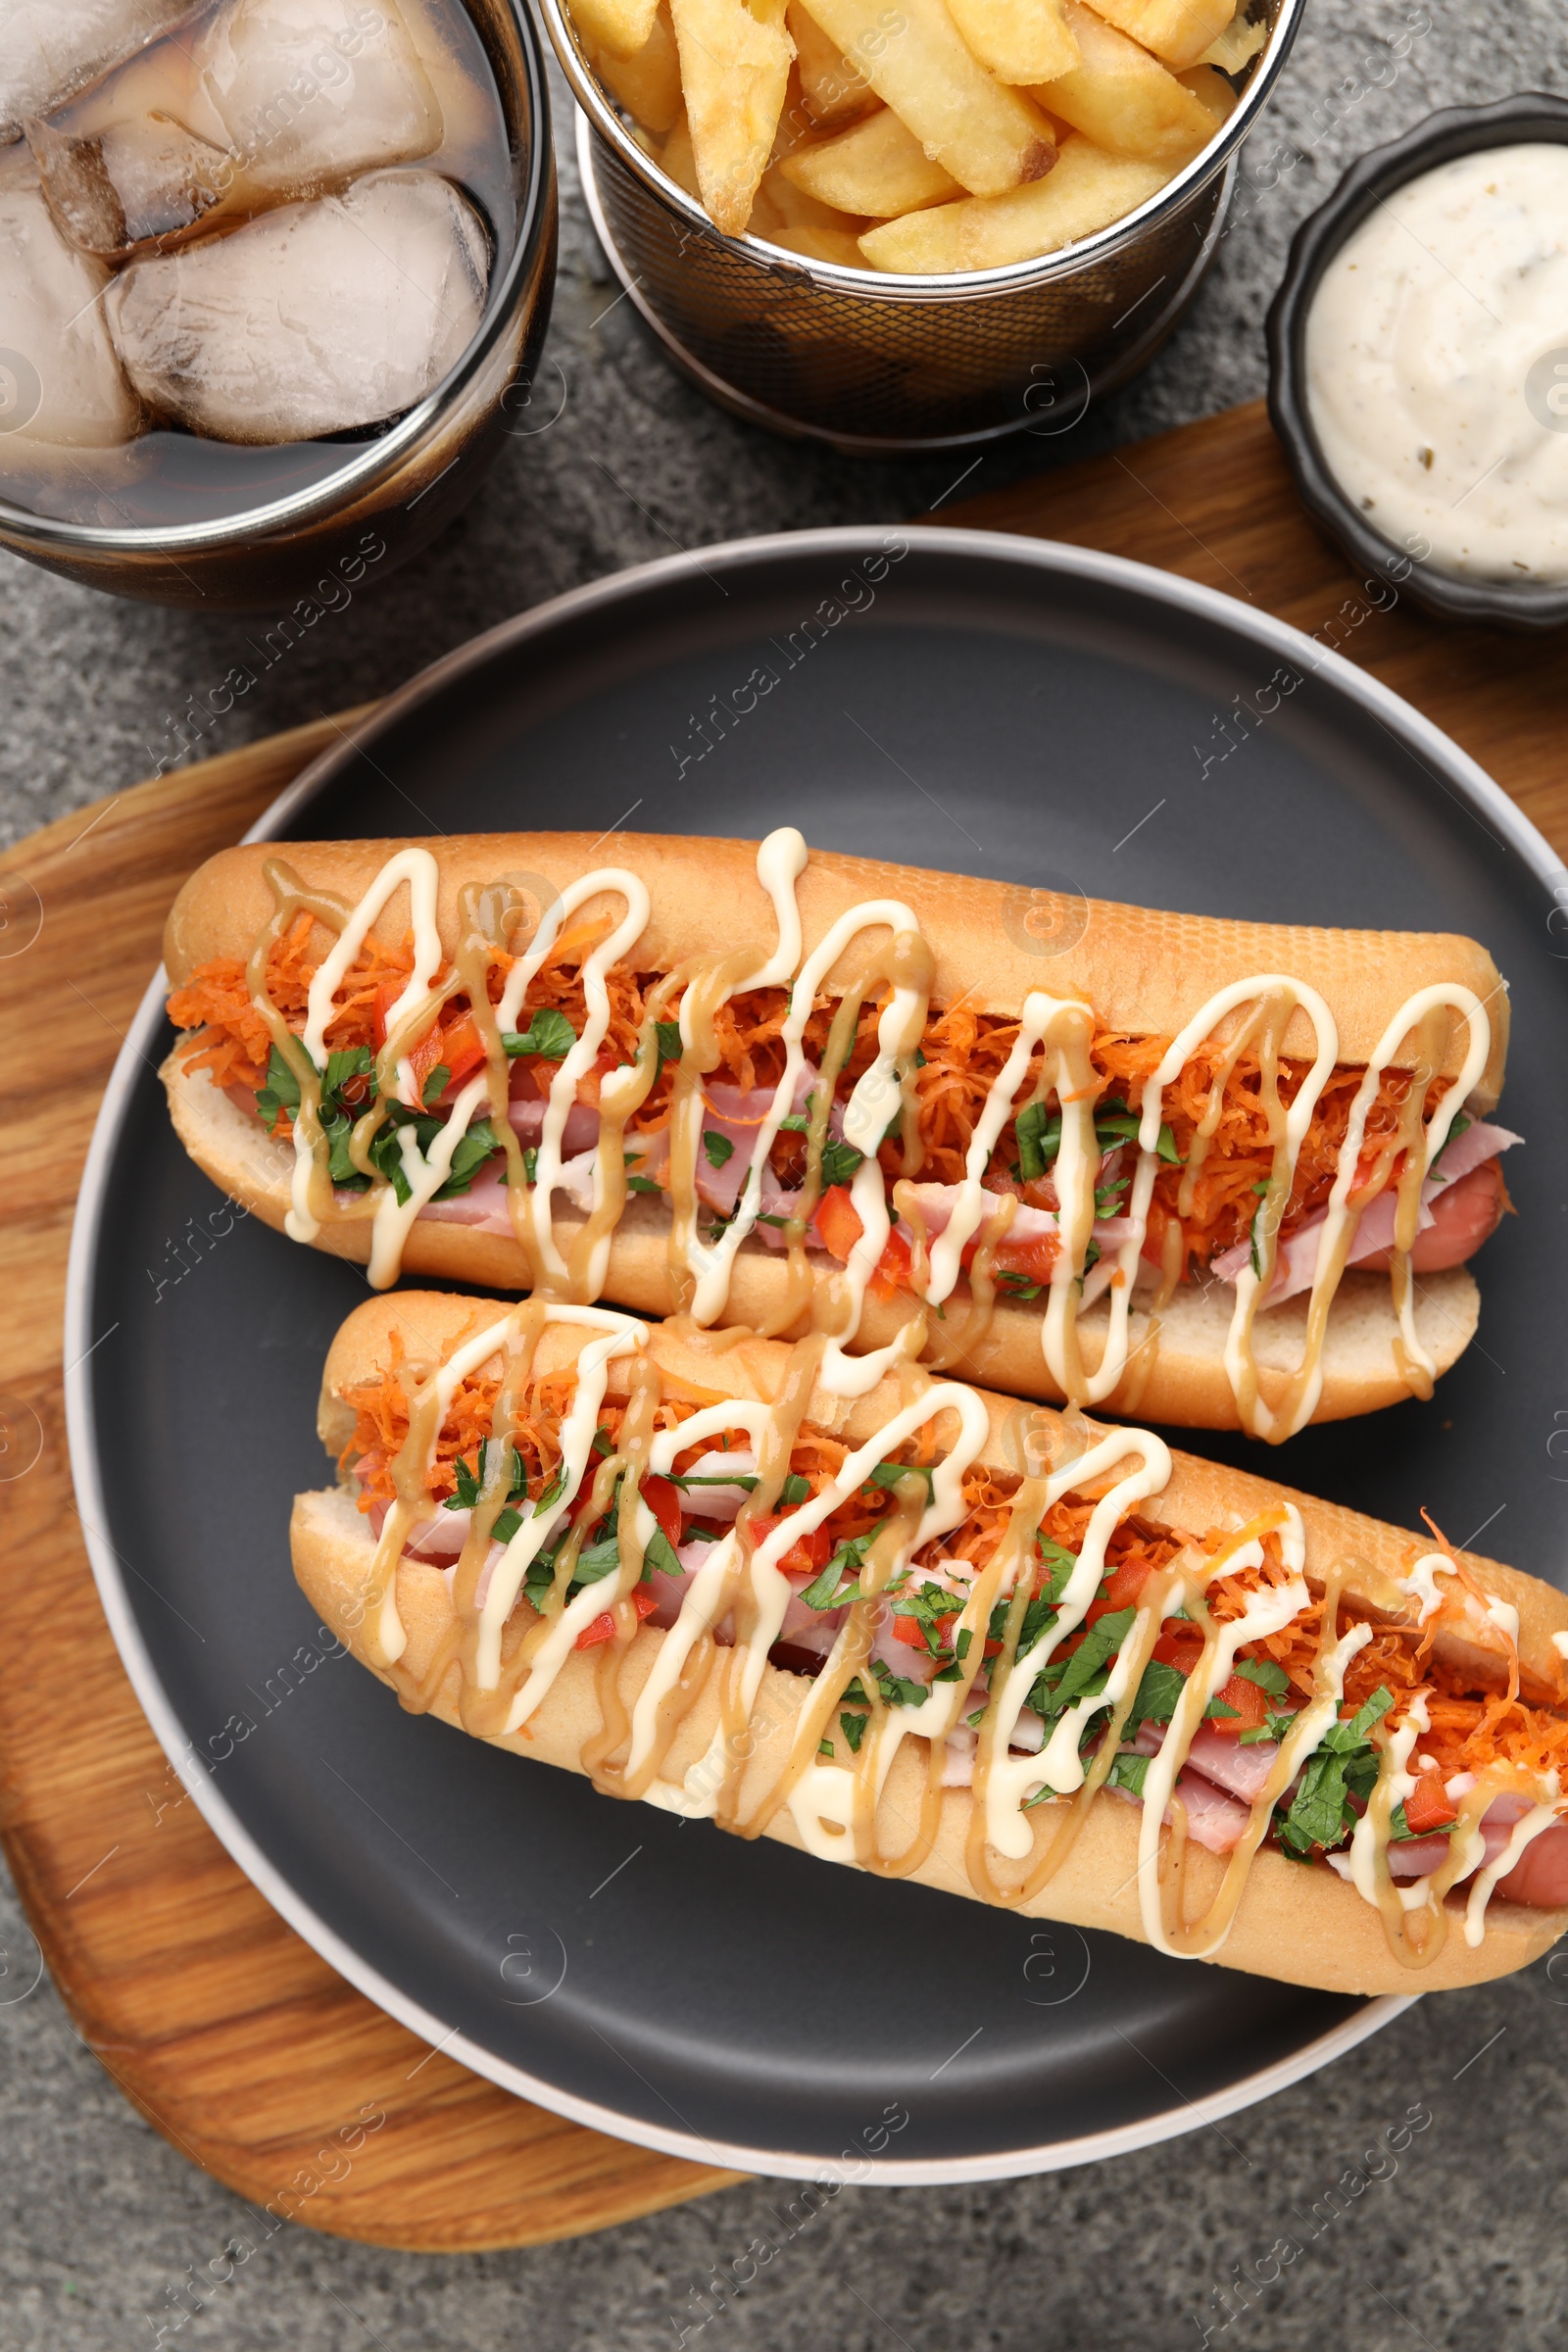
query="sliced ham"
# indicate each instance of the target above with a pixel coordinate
(736, 1113)
(1214, 1819)
(1295, 1263)
(484, 1204)
(525, 1116)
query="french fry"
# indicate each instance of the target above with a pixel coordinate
(822, 245)
(1177, 30)
(1087, 190)
(878, 169)
(622, 27)
(1020, 40)
(834, 89)
(735, 63)
(988, 136)
(1241, 40)
(1125, 100)
(1212, 89)
(647, 84)
(793, 207)
(678, 159)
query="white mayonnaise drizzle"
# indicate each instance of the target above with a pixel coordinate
(1524, 1833)
(705, 1588)
(1011, 1778)
(1366, 1841)
(1039, 1013)
(1268, 1610)
(865, 1119)
(770, 1588)
(575, 1066)
(1506, 1617)
(1422, 1583)
(781, 861)
(1478, 1051)
(418, 869)
(623, 1336)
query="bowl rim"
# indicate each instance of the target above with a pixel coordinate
(45, 535)
(1527, 118)
(882, 285)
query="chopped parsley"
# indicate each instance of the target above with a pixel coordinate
(1128, 1772)
(929, 1606)
(1019, 1286)
(1037, 1133)
(839, 1163)
(718, 1148)
(669, 1045)
(549, 1034)
(1461, 1123)
(477, 1144)
(828, 1591)
(1344, 1766)
(888, 1474)
(435, 1086)
(1085, 1673)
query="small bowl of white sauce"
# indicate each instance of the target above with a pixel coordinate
(1418, 355)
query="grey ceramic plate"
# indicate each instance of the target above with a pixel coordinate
(989, 705)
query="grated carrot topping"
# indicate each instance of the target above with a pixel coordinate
(964, 1052)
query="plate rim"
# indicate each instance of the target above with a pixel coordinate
(1398, 718)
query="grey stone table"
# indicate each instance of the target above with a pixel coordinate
(1412, 2194)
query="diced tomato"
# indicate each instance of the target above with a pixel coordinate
(838, 1222)
(1428, 1806)
(1035, 1260)
(663, 1501)
(1122, 1587)
(462, 1048)
(1178, 1644)
(810, 1551)
(892, 1268)
(907, 1629)
(386, 995)
(457, 1046)
(644, 1600)
(1249, 1706)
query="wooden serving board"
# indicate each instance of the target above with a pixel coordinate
(218, 2023)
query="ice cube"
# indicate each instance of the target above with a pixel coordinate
(313, 318)
(310, 91)
(49, 49)
(137, 180)
(60, 381)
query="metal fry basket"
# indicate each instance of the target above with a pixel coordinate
(879, 364)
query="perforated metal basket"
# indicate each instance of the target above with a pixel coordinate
(877, 363)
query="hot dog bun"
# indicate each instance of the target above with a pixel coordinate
(1141, 971)
(1302, 1925)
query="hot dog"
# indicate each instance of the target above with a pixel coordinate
(942, 1634)
(1093, 1152)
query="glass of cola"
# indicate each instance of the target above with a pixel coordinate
(273, 278)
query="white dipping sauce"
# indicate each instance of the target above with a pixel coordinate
(1433, 350)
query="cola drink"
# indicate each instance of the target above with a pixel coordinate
(260, 233)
